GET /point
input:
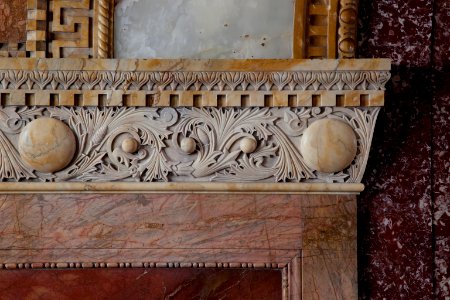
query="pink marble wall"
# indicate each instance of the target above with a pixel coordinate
(404, 218)
(310, 237)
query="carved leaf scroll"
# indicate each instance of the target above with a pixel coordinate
(218, 133)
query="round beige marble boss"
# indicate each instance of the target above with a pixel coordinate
(130, 145)
(47, 145)
(328, 145)
(248, 145)
(188, 145)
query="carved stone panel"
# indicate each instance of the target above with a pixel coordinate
(185, 144)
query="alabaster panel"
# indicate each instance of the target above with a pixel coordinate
(204, 29)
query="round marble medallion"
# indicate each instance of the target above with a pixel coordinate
(188, 145)
(328, 145)
(130, 145)
(248, 145)
(47, 145)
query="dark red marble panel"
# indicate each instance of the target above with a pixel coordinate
(396, 29)
(13, 16)
(408, 173)
(394, 221)
(140, 284)
(441, 154)
(441, 35)
(441, 184)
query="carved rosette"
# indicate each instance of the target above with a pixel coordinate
(190, 144)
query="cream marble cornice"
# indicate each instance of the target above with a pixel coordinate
(195, 65)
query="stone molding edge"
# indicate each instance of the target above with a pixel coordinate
(180, 188)
(103, 29)
(347, 26)
(99, 265)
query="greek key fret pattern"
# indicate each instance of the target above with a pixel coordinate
(36, 44)
(321, 29)
(70, 28)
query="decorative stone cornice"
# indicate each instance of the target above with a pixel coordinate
(220, 121)
(269, 83)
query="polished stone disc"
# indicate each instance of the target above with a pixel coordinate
(47, 145)
(328, 145)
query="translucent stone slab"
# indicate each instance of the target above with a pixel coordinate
(204, 28)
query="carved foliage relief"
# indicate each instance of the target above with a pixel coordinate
(228, 144)
(197, 81)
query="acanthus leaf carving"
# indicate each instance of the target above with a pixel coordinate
(218, 134)
(256, 79)
(281, 79)
(230, 81)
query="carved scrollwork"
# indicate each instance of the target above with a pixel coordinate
(12, 120)
(186, 144)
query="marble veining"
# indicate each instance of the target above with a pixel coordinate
(142, 283)
(329, 145)
(47, 144)
(204, 29)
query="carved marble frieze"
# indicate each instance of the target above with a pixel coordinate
(91, 144)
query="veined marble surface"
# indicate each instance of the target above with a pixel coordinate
(204, 29)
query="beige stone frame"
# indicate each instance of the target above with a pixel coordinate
(322, 29)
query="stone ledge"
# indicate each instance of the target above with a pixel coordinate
(180, 187)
